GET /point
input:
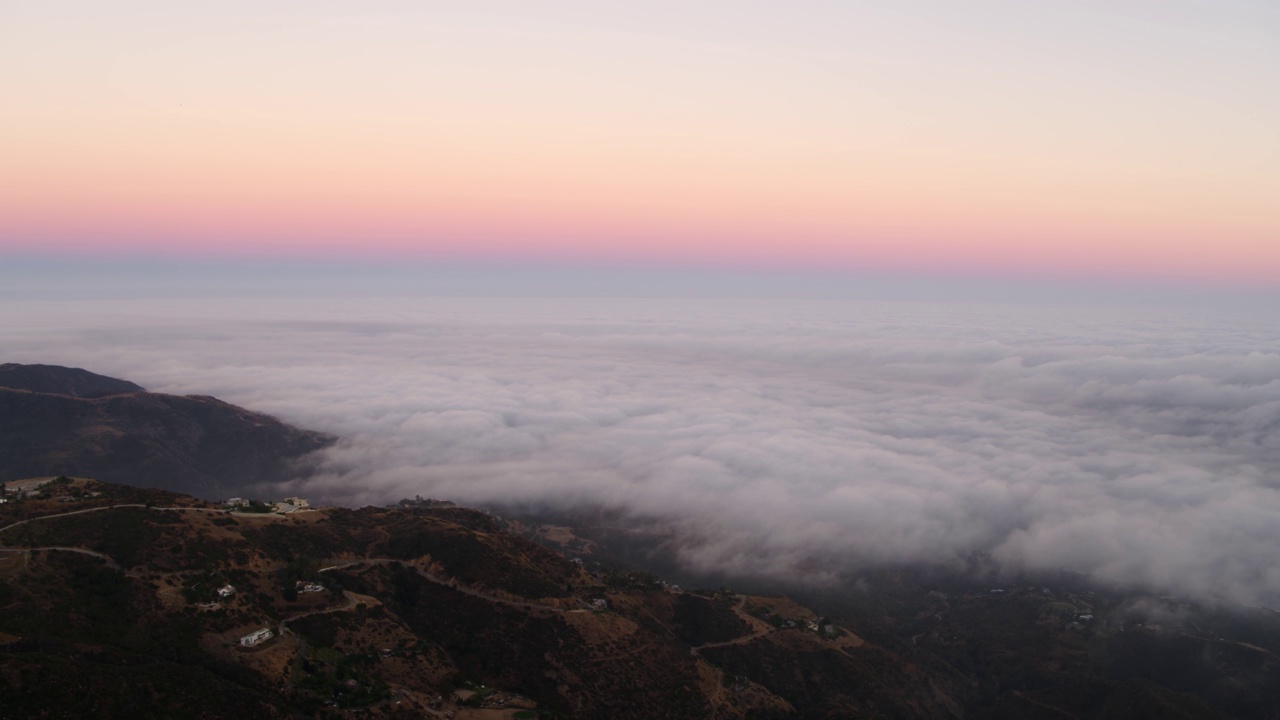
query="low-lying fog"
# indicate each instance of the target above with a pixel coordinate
(1137, 445)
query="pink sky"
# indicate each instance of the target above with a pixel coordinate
(1077, 138)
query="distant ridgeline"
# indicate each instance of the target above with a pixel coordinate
(67, 421)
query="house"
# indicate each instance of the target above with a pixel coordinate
(284, 508)
(309, 587)
(813, 626)
(257, 637)
(226, 591)
(1086, 618)
(600, 604)
(235, 502)
(298, 503)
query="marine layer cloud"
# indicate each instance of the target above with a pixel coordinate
(1138, 446)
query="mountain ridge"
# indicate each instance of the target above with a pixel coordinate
(60, 380)
(69, 421)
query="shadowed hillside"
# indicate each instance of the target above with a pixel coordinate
(131, 598)
(56, 420)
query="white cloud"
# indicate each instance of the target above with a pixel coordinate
(1138, 446)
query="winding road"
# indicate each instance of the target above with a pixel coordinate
(451, 584)
(742, 640)
(352, 601)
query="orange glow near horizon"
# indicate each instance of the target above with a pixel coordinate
(404, 135)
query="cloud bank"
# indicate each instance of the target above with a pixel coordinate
(1141, 446)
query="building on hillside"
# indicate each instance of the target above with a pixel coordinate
(226, 591)
(291, 505)
(257, 637)
(309, 587)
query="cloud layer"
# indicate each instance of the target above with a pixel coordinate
(1139, 446)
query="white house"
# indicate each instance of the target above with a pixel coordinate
(226, 591)
(298, 503)
(257, 637)
(307, 587)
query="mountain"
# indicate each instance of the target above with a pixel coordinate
(121, 602)
(57, 380)
(1001, 643)
(57, 420)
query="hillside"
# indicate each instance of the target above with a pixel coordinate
(1001, 643)
(110, 606)
(57, 380)
(73, 422)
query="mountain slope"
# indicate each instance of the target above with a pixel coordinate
(58, 380)
(67, 421)
(111, 592)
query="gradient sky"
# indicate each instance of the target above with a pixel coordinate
(1094, 138)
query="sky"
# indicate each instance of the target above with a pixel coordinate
(1116, 140)
(817, 285)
